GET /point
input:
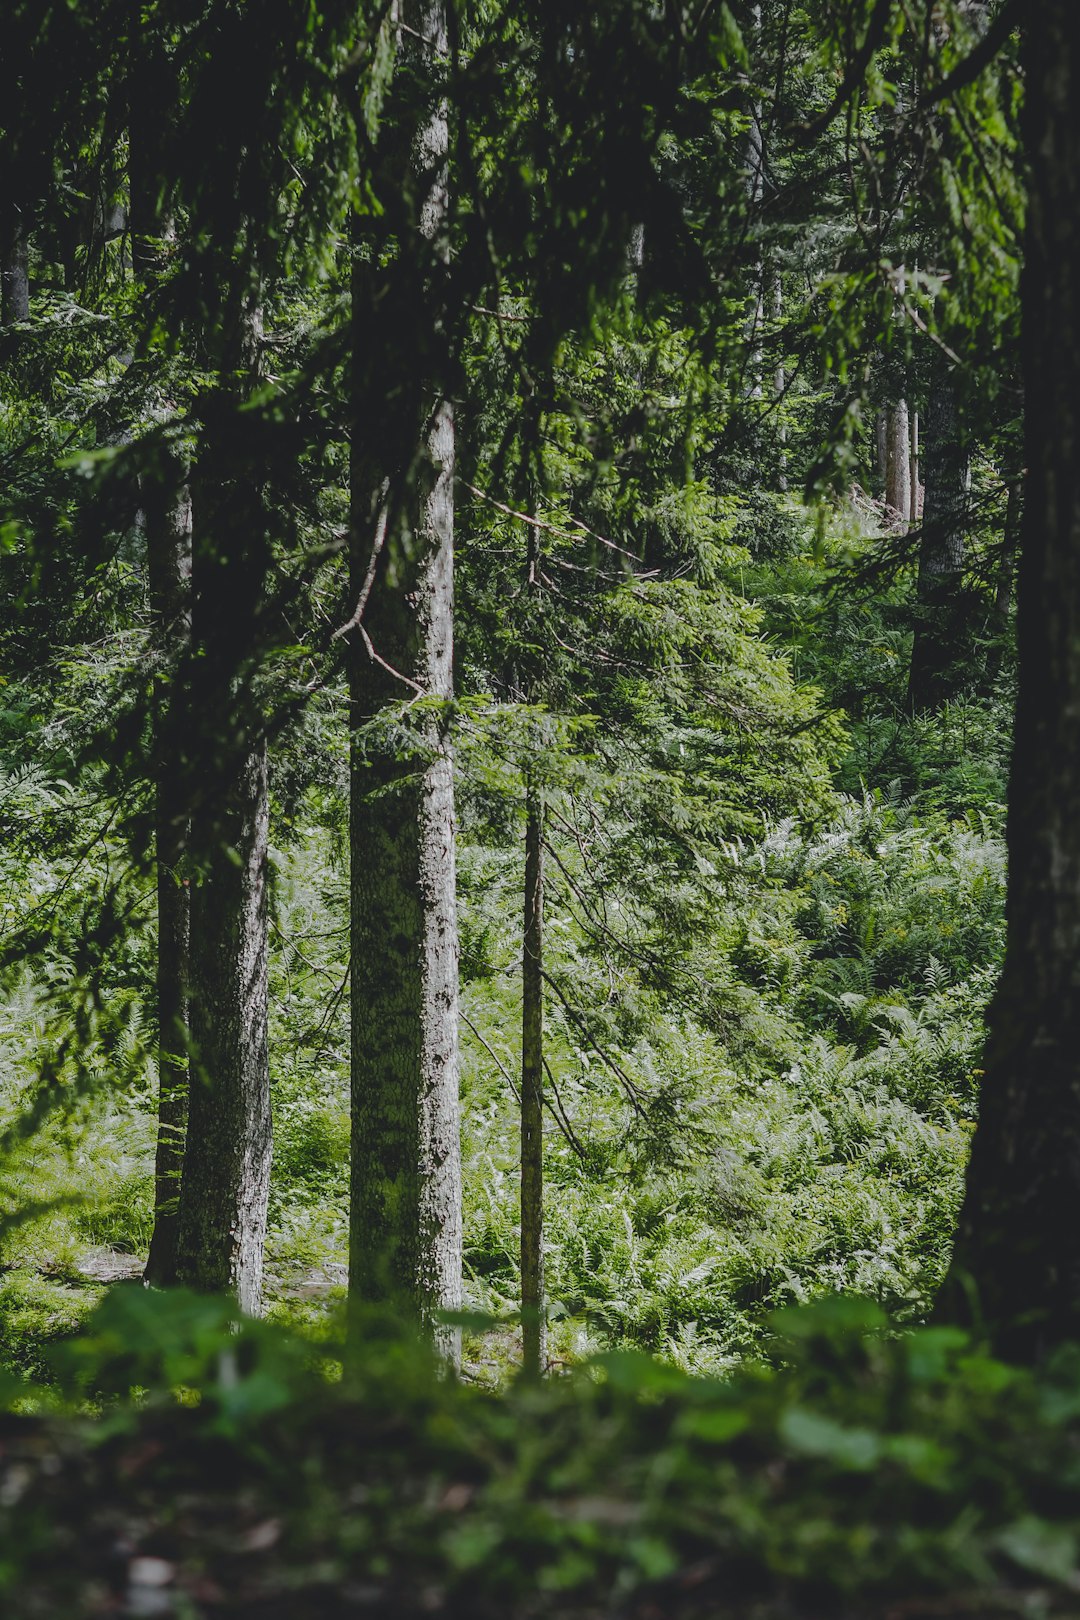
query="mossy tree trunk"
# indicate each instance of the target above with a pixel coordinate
(405, 1226)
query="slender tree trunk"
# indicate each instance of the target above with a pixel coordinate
(533, 1327)
(1010, 542)
(780, 386)
(1017, 1260)
(1003, 590)
(939, 628)
(881, 444)
(168, 541)
(15, 273)
(405, 1225)
(898, 464)
(226, 1181)
(755, 192)
(167, 527)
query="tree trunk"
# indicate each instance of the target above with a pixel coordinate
(533, 1327)
(405, 1225)
(881, 444)
(1017, 1259)
(898, 465)
(222, 1229)
(15, 274)
(940, 631)
(226, 1179)
(166, 522)
(1010, 542)
(1003, 590)
(780, 386)
(755, 193)
(168, 544)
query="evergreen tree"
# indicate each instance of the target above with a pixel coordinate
(1016, 1248)
(405, 1217)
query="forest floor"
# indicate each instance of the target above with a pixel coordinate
(863, 1477)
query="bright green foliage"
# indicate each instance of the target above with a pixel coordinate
(803, 1130)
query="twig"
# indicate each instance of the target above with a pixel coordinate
(550, 528)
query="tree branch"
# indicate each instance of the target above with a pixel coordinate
(983, 54)
(875, 36)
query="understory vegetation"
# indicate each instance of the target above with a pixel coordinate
(780, 1112)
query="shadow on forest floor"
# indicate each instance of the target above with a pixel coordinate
(195, 1464)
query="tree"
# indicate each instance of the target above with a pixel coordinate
(940, 630)
(533, 1325)
(226, 1178)
(405, 1217)
(166, 522)
(1016, 1248)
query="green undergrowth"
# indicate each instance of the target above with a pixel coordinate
(806, 1135)
(851, 1466)
(798, 1128)
(763, 1024)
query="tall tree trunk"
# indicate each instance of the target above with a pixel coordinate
(898, 464)
(405, 1224)
(881, 443)
(533, 1327)
(755, 194)
(15, 272)
(1003, 589)
(226, 1179)
(1010, 542)
(167, 528)
(168, 543)
(1017, 1259)
(780, 385)
(938, 643)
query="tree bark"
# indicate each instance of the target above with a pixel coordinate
(168, 543)
(223, 1204)
(1016, 1266)
(779, 385)
(533, 1326)
(405, 1225)
(898, 464)
(226, 1181)
(881, 443)
(15, 273)
(939, 628)
(166, 523)
(755, 194)
(1003, 589)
